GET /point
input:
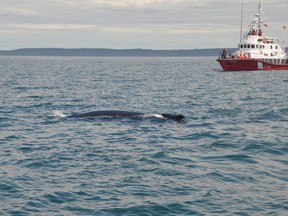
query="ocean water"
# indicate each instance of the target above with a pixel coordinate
(228, 157)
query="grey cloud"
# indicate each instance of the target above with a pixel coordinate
(212, 23)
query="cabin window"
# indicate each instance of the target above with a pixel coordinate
(257, 46)
(276, 47)
(248, 46)
(245, 46)
(271, 47)
(241, 46)
(253, 46)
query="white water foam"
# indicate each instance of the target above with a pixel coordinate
(158, 116)
(57, 114)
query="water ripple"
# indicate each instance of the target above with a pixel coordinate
(228, 157)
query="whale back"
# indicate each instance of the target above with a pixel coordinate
(120, 113)
(112, 113)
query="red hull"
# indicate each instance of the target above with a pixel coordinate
(249, 65)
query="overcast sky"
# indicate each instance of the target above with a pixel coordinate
(121, 24)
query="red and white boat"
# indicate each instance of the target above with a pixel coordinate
(256, 51)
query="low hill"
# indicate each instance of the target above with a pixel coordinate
(111, 52)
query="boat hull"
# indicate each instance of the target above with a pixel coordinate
(249, 65)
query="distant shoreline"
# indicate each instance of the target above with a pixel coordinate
(112, 52)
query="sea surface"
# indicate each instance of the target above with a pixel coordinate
(229, 156)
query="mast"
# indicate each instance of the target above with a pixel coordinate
(260, 15)
(241, 30)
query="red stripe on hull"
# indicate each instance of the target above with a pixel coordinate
(249, 65)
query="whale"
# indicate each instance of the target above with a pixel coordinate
(122, 113)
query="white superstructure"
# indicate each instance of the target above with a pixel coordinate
(256, 45)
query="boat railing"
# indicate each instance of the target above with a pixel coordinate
(223, 55)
